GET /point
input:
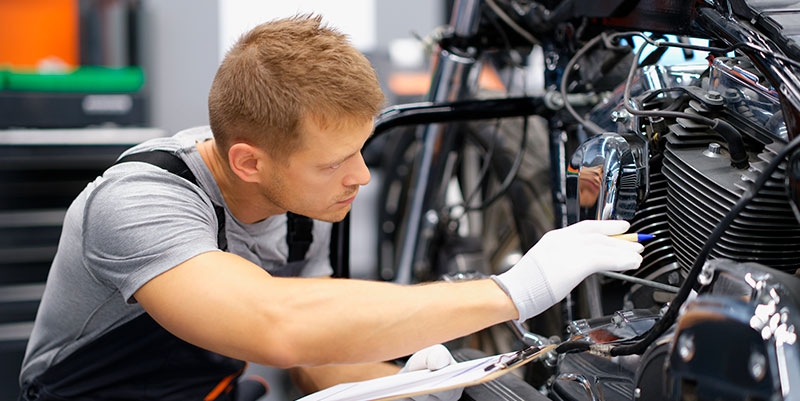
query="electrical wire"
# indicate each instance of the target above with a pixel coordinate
(689, 46)
(513, 25)
(490, 153)
(626, 104)
(504, 186)
(484, 168)
(651, 94)
(732, 137)
(608, 40)
(643, 341)
(639, 343)
(512, 174)
(592, 127)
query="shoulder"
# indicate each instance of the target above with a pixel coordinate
(139, 199)
(140, 182)
(139, 221)
(175, 143)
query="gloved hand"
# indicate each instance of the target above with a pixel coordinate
(562, 259)
(432, 358)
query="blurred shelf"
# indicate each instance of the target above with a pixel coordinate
(78, 136)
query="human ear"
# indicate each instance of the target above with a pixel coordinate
(246, 161)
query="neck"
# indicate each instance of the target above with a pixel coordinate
(243, 199)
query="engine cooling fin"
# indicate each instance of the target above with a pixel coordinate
(703, 188)
(651, 218)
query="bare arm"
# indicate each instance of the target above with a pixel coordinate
(226, 304)
(312, 379)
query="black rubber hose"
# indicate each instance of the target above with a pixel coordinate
(735, 143)
(643, 341)
(573, 346)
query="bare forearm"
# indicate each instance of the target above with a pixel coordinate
(352, 321)
(312, 379)
(225, 304)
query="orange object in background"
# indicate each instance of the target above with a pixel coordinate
(418, 83)
(35, 30)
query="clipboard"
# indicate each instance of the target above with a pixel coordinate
(461, 374)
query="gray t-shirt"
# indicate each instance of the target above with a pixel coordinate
(133, 223)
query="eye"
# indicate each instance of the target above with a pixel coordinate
(334, 166)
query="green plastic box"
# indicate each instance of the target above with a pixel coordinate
(83, 79)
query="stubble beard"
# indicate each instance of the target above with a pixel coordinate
(276, 195)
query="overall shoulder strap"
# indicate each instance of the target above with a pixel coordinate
(298, 236)
(175, 165)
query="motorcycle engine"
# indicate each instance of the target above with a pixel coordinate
(677, 179)
(674, 179)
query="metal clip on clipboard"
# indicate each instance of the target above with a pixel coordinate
(461, 374)
(507, 361)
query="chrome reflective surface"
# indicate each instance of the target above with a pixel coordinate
(583, 382)
(745, 320)
(745, 93)
(573, 370)
(450, 68)
(607, 178)
(465, 17)
(609, 114)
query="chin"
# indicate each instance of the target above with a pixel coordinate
(332, 217)
(337, 216)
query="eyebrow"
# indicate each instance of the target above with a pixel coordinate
(341, 160)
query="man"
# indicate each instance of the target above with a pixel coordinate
(141, 301)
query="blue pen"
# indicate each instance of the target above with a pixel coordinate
(634, 237)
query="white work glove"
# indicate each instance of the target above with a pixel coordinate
(562, 259)
(434, 357)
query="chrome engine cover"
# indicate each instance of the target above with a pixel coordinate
(737, 340)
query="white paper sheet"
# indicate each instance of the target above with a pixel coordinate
(421, 381)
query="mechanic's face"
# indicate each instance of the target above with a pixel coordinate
(589, 181)
(321, 179)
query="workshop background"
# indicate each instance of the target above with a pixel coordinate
(82, 80)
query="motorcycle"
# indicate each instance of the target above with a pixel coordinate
(702, 154)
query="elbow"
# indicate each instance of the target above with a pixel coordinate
(277, 344)
(281, 359)
(278, 351)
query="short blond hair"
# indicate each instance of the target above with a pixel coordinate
(280, 74)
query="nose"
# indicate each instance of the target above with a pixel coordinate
(358, 173)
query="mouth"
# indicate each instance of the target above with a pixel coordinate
(590, 185)
(347, 201)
